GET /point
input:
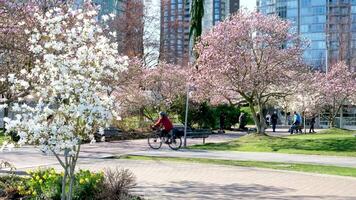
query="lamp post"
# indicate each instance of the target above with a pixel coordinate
(189, 89)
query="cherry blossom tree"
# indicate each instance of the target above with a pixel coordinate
(151, 88)
(334, 89)
(164, 84)
(72, 57)
(249, 56)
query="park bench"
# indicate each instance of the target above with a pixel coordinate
(200, 133)
(196, 133)
(110, 132)
(297, 129)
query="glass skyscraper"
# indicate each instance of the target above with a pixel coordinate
(106, 6)
(329, 26)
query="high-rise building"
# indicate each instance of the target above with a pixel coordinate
(175, 16)
(329, 25)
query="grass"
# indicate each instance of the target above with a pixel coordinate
(334, 142)
(320, 169)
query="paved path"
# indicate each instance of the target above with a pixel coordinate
(28, 156)
(159, 180)
(171, 180)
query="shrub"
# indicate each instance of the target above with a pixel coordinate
(116, 185)
(248, 114)
(86, 185)
(230, 112)
(205, 115)
(42, 184)
(47, 184)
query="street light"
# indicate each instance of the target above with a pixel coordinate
(189, 89)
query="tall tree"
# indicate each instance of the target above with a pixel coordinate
(72, 57)
(249, 56)
(196, 18)
(196, 24)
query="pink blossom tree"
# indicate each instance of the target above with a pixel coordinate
(143, 90)
(249, 56)
(334, 89)
(163, 84)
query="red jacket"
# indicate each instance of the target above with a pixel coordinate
(165, 122)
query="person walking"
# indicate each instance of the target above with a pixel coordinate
(312, 123)
(222, 122)
(296, 122)
(274, 120)
(268, 119)
(242, 121)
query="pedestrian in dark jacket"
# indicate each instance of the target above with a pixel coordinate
(312, 122)
(274, 120)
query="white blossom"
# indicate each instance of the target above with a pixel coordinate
(71, 62)
(105, 18)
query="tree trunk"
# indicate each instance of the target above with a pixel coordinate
(141, 117)
(331, 122)
(72, 164)
(259, 120)
(64, 180)
(6, 114)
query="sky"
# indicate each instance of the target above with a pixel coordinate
(249, 4)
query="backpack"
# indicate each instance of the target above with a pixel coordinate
(298, 119)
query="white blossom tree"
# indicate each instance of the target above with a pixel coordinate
(72, 58)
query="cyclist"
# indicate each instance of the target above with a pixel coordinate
(164, 122)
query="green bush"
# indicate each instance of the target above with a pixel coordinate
(199, 114)
(205, 115)
(230, 112)
(86, 185)
(46, 184)
(248, 113)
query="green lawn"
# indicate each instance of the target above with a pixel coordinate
(336, 142)
(320, 169)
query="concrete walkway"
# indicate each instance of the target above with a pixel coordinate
(175, 181)
(181, 181)
(171, 180)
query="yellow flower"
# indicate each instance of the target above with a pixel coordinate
(40, 181)
(37, 177)
(34, 193)
(81, 181)
(44, 176)
(87, 180)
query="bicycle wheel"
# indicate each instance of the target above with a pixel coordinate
(154, 141)
(175, 144)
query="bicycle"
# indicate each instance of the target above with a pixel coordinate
(157, 138)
